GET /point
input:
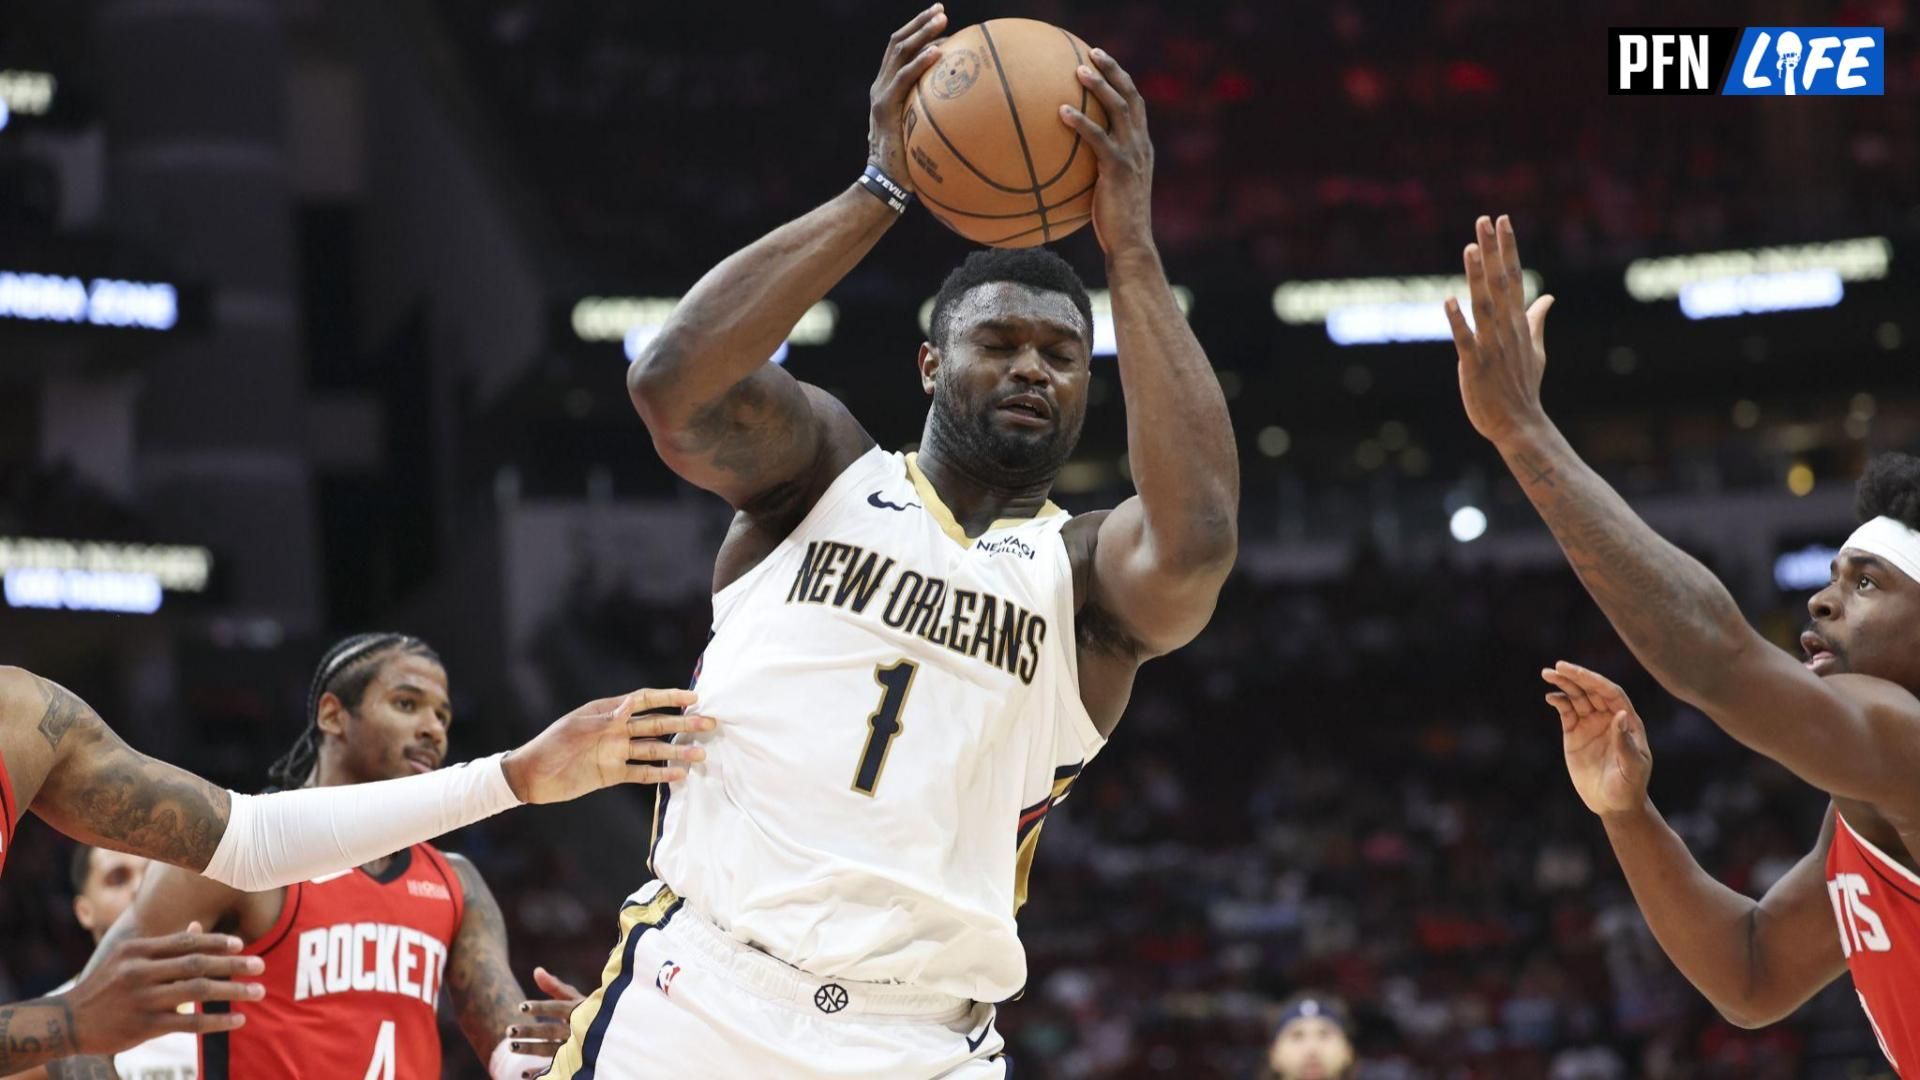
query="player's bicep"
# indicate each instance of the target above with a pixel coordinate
(1155, 601)
(105, 793)
(485, 995)
(1795, 944)
(1848, 735)
(764, 440)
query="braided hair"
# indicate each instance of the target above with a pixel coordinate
(346, 671)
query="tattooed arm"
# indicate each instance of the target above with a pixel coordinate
(101, 791)
(485, 995)
(1849, 735)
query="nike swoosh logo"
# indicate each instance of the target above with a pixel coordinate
(974, 1044)
(874, 500)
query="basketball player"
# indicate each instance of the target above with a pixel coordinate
(1846, 720)
(104, 885)
(1311, 1042)
(913, 656)
(354, 960)
(59, 760)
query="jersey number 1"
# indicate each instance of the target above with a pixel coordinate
(884, 724)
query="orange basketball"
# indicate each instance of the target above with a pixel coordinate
(987, 153)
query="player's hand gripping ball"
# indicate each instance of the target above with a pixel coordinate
(987, 149)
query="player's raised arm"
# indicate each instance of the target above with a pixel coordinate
(1851, 736)
(1162, 555)
(721, 415)
(1756, 961)
(99, 790)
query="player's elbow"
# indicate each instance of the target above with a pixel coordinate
(1205, 547)
(1751, 1016)
(652, 378)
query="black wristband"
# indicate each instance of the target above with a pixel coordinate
(882, 187)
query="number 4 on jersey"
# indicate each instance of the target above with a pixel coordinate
(381, 1067)
(884, 724)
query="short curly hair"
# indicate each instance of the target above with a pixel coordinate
(1890, 488)
(1036, 268)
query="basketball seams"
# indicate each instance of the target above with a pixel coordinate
(1075, 220)
(926, 109)
(1077, 140)
(1049, 207)
(1019, 132)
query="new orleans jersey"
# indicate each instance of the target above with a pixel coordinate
(899, 708)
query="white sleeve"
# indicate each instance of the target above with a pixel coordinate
(275, 840)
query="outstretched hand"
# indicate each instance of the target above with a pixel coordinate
(1504, 354)
(1603, 737)
(607, 742)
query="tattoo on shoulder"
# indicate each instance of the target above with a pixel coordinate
(34, 1033)
(62, 712)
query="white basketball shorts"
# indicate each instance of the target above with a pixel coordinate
(680, 999)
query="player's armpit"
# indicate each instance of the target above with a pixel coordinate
(486, 997)
(103, 792)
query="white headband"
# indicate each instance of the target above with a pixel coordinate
(1892, 542)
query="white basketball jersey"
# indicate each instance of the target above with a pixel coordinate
(898, 709)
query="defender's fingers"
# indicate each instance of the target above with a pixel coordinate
(188, 941)
(654, 774)
(1565, 708)
(658, 724)
(554, 986)
(1463, 342)
(910, 73)
(175, 994)
(203, 966)
(653, 750)
(648, 700)
(546, 1012)
(198, 1023)
(1513, 281)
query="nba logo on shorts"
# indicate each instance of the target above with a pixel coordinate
(664, 978)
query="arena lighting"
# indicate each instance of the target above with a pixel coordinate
(1382, 310)
(1469, 523)
(1758, 294)
(636, 320)
(1809, 568)
(26, 93)
(83, 590)
(1863, 259)
(177, 568)
(1101, 300)
(143, 305)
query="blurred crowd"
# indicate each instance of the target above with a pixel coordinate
(1342, 138)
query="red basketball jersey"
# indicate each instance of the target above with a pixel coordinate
(1877, 904)
(353, 977)
(6, 814)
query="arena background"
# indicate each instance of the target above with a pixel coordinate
(407, 243)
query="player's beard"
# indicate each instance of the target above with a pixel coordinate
(1007, 459)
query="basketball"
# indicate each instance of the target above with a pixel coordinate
(986, 151)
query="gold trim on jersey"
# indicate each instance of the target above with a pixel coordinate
(943, 517)
(634, 919)
(1023, 856)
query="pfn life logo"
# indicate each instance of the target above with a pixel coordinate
(1786, 61)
